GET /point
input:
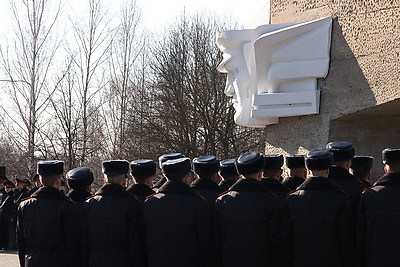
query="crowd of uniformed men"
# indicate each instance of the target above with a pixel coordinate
(206, 212)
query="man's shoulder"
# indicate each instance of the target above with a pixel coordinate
(190, 198)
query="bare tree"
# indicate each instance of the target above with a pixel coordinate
(126, 47)
(92, 42)
(27, 68)
(191, 113)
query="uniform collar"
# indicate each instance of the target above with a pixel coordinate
(318, 183)
(249, 184)
(274, 184)
(227, 183)
(177, 187)
(390, 178)
(205, 184)
(48, 192)
(339, 173)
(140, 188)
(114, 189)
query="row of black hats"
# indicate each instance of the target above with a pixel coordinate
(250, 162)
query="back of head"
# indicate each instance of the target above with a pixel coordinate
(80, 178)
(228, 169)
(361, 166)
(115, 170)
(50, 171)
(319, 160)
(342, 150)
(391, 157)
(295, 161)
(273, 165)
(176, 169)
(141, 169)
(296, 165)
(249, 163)
(206, 166)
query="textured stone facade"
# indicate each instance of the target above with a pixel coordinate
(358, 99)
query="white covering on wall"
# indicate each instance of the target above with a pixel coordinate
(272, 70)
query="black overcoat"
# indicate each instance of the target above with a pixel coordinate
(247, 226)
(141, 191)
(317, 226)
(79, 196)
(226, 184)
(7, 218)
(293, 182)
(349, 184)
(378, 232)
(112, 232)
(177, 228)
(276, 187)
(48, 230)
(208, 189)
(160, 183)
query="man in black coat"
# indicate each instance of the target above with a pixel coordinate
(206, 183)
(177, 222)
(48, 231)
(3, 178)
(37, 184)
(343, 153)
(378, 221)
(296, 171)
(361, 169)
(272, 173)
(247, 219)
(7, 209)
(163, 158)
(142, 171)
(228, 173)
(80, 180)
(113, 234)
(317, 220)
(21, 192)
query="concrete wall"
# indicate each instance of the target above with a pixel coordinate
(364, 72)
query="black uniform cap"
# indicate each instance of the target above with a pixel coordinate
(359, 162)
(342, 150)
(206, 165)
(23, 181)
(50, 167)
(250, 162)
(3, 173)
(115, 167)
(273, 161)
(227, 167)
(319, 159)
(165, 157)
(80, 177)
(391, 155)
(295, 161)
(143, 167)
(8, 183)
(176, 167)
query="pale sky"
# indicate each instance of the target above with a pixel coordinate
(162, 12)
